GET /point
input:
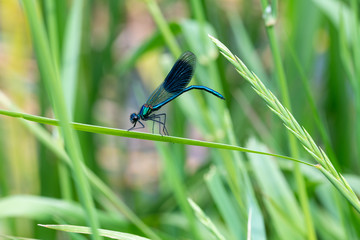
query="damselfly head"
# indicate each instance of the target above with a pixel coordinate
(134, 118)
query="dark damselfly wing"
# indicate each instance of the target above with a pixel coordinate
(178, 78)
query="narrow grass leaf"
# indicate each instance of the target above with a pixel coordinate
(289, 223)
(140, 135)
(46, 209)
(244, 45)
(4, 237)
(248, 237)
(50, 74)
(102, 232)
(192, 33)
(175, 181)
(225, 204)
(71, 53)
(205, 220)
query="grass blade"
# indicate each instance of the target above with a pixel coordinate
(102, 232)
(140, 135)
(205, 220)
(52, 81)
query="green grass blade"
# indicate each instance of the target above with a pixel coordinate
(102, 232)
(70, 61)
(315, 112)
(205, 220)
(248, 235)
(4, 237)
(346, 20)
(226, 205)
(52, 81)
(52, 29)
(164, 27)
(269, 14)
(286, 217)
(175, 180)
(140, 135)
(53, 32)
(245, 47)
(46, 209)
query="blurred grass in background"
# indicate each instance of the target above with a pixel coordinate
(111, 55)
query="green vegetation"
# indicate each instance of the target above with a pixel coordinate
(285, 168)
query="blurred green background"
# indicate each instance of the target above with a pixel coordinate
(110, 55)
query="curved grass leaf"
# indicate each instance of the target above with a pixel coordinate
(102, 232)
(140, 135)
(205, 220)
(4, 237)
(47, 209)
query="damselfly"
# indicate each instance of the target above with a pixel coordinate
(173, 86)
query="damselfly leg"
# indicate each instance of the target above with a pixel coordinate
(163, 122)
(133, 127)
(156, 118)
